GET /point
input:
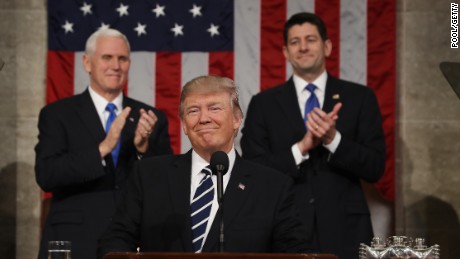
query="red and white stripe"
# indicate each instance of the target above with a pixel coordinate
(363, 38)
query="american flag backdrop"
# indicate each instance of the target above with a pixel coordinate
(173, 41)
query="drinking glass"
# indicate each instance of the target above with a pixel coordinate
(59, 249)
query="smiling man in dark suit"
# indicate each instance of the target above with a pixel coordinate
(83, 166)
(156, 214)
(325, 133)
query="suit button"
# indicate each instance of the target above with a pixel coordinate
(311, 200)
(117, 187)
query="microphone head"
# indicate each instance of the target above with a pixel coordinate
(219, 162)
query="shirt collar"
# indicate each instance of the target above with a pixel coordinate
(198, 163)
(300, 83)
(100, 102)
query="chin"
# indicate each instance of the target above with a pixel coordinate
(212, 147)
(115, 88)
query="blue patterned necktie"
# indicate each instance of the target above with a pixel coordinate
(111, 108)
(201, 208)
(312, 101)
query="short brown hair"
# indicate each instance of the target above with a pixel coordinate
(210, 83)
(301, 18)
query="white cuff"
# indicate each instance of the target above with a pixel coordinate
(298, 155)
(332, 147)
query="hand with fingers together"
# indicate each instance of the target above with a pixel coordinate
(86, 145)
(144, 128)
(326, 157)
(322, 124)
(114, 134)
(321, 129)
(308, 142)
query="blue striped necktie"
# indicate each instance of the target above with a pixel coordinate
(111, 108)
(312, 101)
(201, 208)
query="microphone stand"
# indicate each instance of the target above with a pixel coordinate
(220, 194)
(219, 165)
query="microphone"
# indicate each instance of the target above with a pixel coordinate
(219, 166)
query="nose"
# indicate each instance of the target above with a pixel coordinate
(303, 45)
(204, 117)
(115, 64)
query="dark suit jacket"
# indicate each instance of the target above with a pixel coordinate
(328, 191)
(259, 215)
(68, 164)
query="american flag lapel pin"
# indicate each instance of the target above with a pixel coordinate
(241, 186)
(336, 96)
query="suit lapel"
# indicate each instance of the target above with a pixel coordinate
(88, 115)
(180, 181)
(332, 95)
(287, 99)
(133, 117)
(238, 189)
(127, 134)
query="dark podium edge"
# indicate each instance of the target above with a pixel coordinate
(134, 255)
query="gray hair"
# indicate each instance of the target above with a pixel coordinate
(106, 32)
(208, 84)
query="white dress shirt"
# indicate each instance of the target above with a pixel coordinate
(100, 103)
(198, 163)
(302, 95)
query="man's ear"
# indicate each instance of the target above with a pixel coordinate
(238, 120)
(285, 53)
(327, 48)
(87, 63)
(183, 127)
